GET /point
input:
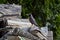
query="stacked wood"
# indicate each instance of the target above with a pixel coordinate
(9, 10)
(11, 13)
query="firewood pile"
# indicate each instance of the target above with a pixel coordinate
(16, 28)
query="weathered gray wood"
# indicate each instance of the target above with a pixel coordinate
(23, 33)
(13, 38)
(10, 9)
(41, 36)
(50, 35)
(19, 32)
(16, 38)
(19, 23)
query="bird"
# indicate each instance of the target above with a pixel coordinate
(35, 29)
(32, 20)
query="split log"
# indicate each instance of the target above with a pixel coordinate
(23, 33)
(19, 32)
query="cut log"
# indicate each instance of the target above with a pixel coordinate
(50, 35)
(19, 32)
(23, 33)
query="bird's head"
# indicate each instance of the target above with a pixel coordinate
(29, 14)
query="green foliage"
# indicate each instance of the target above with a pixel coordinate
(2, 1)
